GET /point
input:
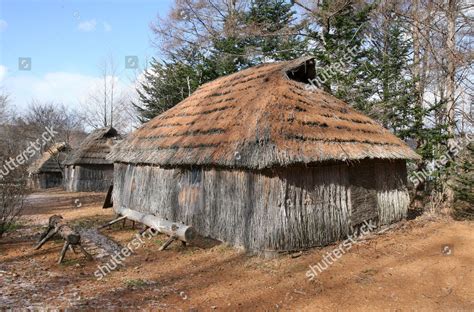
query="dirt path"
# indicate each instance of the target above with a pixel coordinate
(402, 269)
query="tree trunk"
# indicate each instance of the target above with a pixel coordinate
(450, 89)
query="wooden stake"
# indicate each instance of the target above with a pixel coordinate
(113, 222)
(88, 256)
(50, 233)
(144, 230)
(63, 252)
(167, 243)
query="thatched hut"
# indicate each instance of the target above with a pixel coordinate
(259, 160)
(47, 171)
(86, 168)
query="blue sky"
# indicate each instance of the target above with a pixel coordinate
(66, 41)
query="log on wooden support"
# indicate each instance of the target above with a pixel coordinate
(182, 232)
(71, 238)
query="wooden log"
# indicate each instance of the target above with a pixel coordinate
(68, 234)
(182, 232)
(71, 238)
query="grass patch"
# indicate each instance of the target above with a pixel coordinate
(135, 283)
(10, 227)
(70, 262)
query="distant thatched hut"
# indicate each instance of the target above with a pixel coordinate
(47, 171)
(86, 169)
(258, 160)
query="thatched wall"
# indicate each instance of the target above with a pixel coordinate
(45, 180)
(88, 178)
(273, 209)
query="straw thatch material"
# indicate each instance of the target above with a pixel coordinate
(258, 161)
(87, 169)
(95, 148)
(260, 118)
(47, 171)
(51, 160)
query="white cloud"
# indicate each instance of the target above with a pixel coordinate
(70, 89)
(3, 72)
(107, 27)
(3, 25)
(87, 26)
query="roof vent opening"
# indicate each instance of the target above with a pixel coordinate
(304, 72)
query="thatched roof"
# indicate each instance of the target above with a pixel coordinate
(257, 118)
(51, 160)
(94, 149)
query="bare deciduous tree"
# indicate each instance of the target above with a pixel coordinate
(12, 185)
(108, 104)
(40, 116)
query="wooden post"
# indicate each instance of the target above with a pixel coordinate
(112, 222)
(167, 243)
(63, 252)
(108, 199)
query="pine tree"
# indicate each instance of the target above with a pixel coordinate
(394, 88)
(342, 50)
(464, 185)
(275, 36)
(168, 83)
(248, 38)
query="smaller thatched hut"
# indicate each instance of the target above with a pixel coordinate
(86, 169)
(47, 171)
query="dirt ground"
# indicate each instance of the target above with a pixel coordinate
(401, 269)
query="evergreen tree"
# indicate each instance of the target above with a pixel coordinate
(464, 185)
(168, 83)
(341, 51)
(389, 74)
(275, 36)
(248, 38)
